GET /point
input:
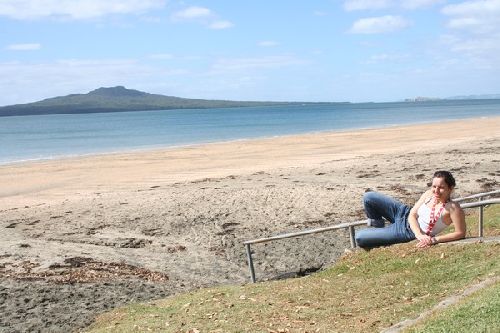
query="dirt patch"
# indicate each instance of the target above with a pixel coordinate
(46, 306)
(80, 270)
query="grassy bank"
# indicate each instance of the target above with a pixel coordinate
(478, 313)
(491, 222)
(362, 292)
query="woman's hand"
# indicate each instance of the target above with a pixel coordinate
(424, 241)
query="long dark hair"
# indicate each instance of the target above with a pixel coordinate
(447, 176)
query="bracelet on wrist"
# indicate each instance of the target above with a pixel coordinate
(434, 241)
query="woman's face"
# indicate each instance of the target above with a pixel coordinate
(440, 189)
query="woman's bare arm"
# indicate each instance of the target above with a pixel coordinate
(458, 219)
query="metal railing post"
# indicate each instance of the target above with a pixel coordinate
(481, 221)
(250, 262)
(352, 236)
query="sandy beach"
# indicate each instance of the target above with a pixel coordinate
(82, 235)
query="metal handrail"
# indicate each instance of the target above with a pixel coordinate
(306, 232)
(475, 196)
(351, 226)
(480, 203)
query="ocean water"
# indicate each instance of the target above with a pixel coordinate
(53, 136)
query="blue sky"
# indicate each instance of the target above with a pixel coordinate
(324, 50)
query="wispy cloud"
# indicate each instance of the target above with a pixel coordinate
(219, 25)
(241, 64)
(191, 13)
(473, 7)
(386, 57)
(415, 4)
(377, 25)
(320, 13)
(267, 43)
(351, 5)
(478, 46)
(161, 56)
(24, 47)
(474, 32)
(474, 16)
(74, 9)
(202, 15)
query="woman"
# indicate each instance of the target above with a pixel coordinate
(432, 213)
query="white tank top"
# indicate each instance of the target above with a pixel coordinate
(424, 214)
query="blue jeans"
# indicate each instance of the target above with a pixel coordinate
(377, 207)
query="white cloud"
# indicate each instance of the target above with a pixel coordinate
(475, 16)
(267, 43)
(241, 64)
(74, 9)
(219, 25)
(474, 33)
(474, 52)
(478, 45)
(193, 12)
(320, 13)
(351, 5)
(385, 57)
(201, 15)
(464, 23)
(414, 4)
(24, 47)
(161, 56)
(381, 24)
(477, 7)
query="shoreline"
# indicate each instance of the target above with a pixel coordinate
(159, 148)
(27, 182)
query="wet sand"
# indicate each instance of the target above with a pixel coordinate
(82, 235)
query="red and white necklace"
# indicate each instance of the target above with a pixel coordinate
(433, 218)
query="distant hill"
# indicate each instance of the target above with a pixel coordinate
(118, 99)
(484, 96)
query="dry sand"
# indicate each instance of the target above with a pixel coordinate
(82, 235)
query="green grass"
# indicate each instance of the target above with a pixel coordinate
(491, 220)
(362, 292)
(478, 313)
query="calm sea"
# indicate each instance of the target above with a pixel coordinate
(53, 136)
